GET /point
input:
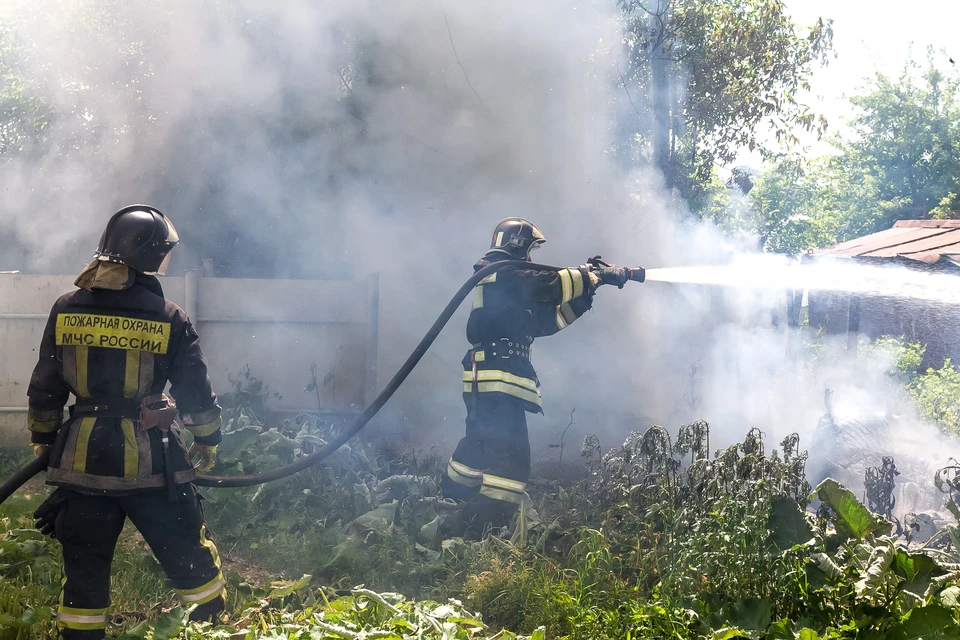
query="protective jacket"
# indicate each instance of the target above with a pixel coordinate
(110, 348)
(510, 308)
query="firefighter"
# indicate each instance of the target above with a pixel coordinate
(490, 467)
(114, 343)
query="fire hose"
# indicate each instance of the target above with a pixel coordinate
(40, 464)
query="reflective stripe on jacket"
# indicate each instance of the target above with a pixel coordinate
(115, 348)
(510, 308)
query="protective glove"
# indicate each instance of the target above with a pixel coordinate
(39, 449)
(45, 517)
(208, 456)
(613, 275)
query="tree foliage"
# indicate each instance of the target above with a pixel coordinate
(718, 76)
(899, 160)
(907, 137)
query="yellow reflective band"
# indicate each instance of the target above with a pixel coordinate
(203, 430)
(208, 543)
(566, 285)
(507, 388)
(499, 239)
(504, 483)
(73, 611)
(577, 278)
(561, 323)
(490, 278)
(81, 619)
(131, 375)
(459, 478)
(202, 595)
(496, 374)
(501, 495)
(131, 450)
(478, 297)
(83, 441)
(43, 426)
(479, 356)
(202, 588)
(71, 622)
(112, 332)
(464, 469)
(83, 359)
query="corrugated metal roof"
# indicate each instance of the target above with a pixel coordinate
(920, 240)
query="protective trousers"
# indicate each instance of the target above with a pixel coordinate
(88, 527)
(491, 465)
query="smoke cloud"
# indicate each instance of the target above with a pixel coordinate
(299, 139)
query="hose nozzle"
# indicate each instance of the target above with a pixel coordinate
(637, 274)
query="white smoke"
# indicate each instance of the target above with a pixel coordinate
(306, 139)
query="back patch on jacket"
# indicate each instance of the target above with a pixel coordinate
(112, 332)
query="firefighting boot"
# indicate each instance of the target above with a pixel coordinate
(483, 514)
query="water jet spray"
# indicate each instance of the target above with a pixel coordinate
(771, 272)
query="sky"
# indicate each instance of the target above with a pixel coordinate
(875, 36)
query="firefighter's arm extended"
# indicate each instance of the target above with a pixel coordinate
(191, 389)
(557, 298)
(48, 392)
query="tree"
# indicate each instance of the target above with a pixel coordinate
(899, 161)
(711, 74)
(907, 137)
(800, 205)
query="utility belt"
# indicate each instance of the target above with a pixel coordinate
(504, 348)
(503, 367)
(153, 411)
(107, 408)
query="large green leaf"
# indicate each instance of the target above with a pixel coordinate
(377, 520)
(852, 518)
(750, 613)
(166, 626)
(284, 588)
(917, 569)
(234, 443)
(787, 524)
(950, 597)
(873, 581)
(928, 622)
(914, 565)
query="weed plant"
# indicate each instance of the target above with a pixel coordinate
(660, 540)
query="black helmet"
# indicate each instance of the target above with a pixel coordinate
(138, 236)
(516, 237)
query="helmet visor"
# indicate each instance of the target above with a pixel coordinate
(172, 236)
(162, 269)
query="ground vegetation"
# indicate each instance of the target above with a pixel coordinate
(659, 538)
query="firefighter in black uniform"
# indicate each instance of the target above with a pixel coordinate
(491, 465)
(114, 344)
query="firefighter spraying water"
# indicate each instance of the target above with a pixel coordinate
(490, 467)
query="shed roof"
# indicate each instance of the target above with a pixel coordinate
(921, 240)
